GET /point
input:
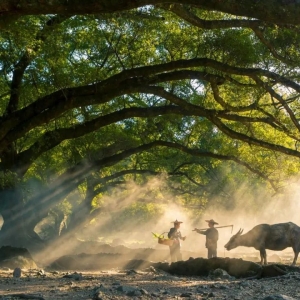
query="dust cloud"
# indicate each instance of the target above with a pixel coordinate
(136, 231)
(250, 212)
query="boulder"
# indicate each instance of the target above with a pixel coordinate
(14, 257)
(7, 252)
(18, 262)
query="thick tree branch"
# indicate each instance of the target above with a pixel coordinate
(273, 51)
(52, 106)
(74, 176)
(191, 18)
(274, 11)
(252, 141)
(54, 138)
(281, 101)
(126, 82)
(200, 111)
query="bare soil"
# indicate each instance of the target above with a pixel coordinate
(116, 280)
(114, 284)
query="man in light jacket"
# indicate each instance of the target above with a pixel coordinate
(175, 235)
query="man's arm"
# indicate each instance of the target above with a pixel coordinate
(200, 231)
(181, 237)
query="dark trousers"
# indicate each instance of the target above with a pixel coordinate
(211, 252)
(175, 253)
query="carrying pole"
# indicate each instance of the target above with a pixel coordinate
(217, 227)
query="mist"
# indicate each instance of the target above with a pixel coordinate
(136, 231)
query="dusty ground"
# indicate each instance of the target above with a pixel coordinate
(117, 283)
(150, 284)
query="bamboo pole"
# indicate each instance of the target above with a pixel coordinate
(216, 227)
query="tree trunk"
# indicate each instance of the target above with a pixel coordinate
(79, 217)
(81, 213)
(17, 230)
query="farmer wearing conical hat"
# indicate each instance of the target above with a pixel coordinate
(212, 236)
(175, 235)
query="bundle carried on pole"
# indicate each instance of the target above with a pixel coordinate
(162, 240)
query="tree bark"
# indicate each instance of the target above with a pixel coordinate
(273, 11)
(17, 229)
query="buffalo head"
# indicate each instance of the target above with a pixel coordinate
(233, 242)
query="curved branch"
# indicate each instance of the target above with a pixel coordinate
(200, 111)
(279, 12)
(280, 99)
(74, 176)
(53, 138)
(261, 37)
(252, 141)
(191, 18)
(227, 106)
(52, 106)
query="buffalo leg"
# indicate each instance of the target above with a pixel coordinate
(263, 256)
(296, 252)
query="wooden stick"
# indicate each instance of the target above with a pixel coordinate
(217, 227)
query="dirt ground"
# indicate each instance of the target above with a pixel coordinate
(147, 284)
(107, 279)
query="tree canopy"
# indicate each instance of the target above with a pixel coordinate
(96, 94)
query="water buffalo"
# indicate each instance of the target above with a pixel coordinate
(272, 237)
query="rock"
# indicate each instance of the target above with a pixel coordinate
(75, 276)
(41, 273)
(17, 273)
(186, 295)
(152, 270)
(202, 267)
(7, 252)
(167, 278)
(18, 261)
(278, 297)
(126, 289)
(99, 296)
(156, 295)
(220, 274)
(131, 272)
(14, 257)
(223, 287)
(163, 291)
(144, 292)
(99, 292)
(135, 293)
(245, 284)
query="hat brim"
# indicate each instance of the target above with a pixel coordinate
(212, 222)
(177, 222)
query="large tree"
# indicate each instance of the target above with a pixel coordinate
(86, 87)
